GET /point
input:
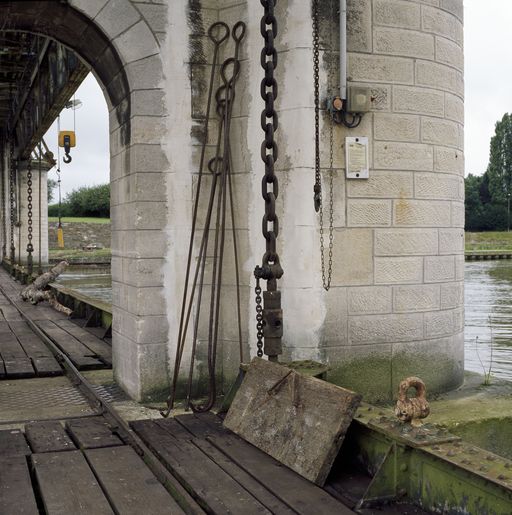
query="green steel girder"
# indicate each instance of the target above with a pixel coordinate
(451, 477)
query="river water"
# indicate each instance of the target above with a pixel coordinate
(488, 302)
(93, 281)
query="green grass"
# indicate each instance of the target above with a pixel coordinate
(492, 240)
(78, 254)
(69, 219)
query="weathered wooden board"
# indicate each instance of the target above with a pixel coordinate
(13, 443)
(300, 421)
(11, 314)
(128, 483)
(19, 368)
(92, 433)
(298, 493)
(16, 494)
(67, 484)
(20, 328)
(214, 489)
(97, 346)
(42, 359)
(264, 496)
(48, 436)
(79, 354)
(46, 367)
(201, 425)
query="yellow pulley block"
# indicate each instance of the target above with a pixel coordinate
(67, 140)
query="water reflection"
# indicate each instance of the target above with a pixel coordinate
(488, 302)
(94, 281)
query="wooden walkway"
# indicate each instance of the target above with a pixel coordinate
(80, 468)
(225, 474)
(23, 353)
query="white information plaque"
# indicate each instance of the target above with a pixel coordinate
(356, 154)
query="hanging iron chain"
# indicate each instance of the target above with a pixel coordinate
(259, 320)
(270, 270)
(12, 199)
(317, 189)
(30, 246)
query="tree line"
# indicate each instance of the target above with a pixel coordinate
(488, 195)
(87, 201)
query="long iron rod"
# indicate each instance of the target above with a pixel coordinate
(343, 49)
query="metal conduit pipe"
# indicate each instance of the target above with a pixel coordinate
(343, 50)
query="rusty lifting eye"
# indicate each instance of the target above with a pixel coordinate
(412, 409)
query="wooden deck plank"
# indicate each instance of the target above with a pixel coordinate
(42, 358)
(202, 425)
(16, 362)
(173, 427)
(11, 314)
(19, 368)
(206, 424)
(67, 484)
(98, 347)
(13, 443)
(213, 489)
(48, 436)
(47, 367)
(20, 328)
(92, 433)
(79, 354)
(294, 490)
(16, 493)
(128, 483)
(10, 347)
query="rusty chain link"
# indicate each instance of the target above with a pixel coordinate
(12, 199)
(30, 246)
(270, 270)
(317, 189)
(259, 319)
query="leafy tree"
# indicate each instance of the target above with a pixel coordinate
(90, 201)
(499, 170)
(474, 206)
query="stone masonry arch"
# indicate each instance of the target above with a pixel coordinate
(120, 41)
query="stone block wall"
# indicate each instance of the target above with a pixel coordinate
(409, 310)
(395, 307)
(80, 234)
(395, 304)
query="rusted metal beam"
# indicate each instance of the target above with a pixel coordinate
(57, 74)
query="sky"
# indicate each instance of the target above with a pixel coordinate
(488, 84)
(90, 157)
(488, 75)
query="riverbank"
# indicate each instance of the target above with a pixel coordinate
(81, 257)
(488, 241)
(86, 240)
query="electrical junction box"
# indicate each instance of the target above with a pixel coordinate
(358, 100)
(356, 158)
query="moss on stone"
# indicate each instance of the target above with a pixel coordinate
(369, 376)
